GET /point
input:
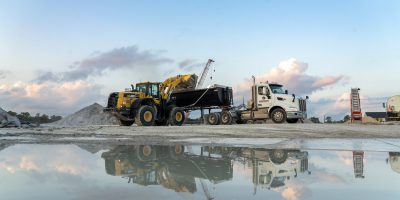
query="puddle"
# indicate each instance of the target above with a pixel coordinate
(195, 172)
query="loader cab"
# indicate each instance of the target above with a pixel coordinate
(149, 88)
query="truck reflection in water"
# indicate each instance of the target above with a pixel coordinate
(394, 161)
(270, 167)
(177, 167)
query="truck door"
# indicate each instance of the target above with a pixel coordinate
(264, 99)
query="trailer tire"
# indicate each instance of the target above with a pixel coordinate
(292, 121)
(145, 116)
(226, 118)
(126, 122)
(213, 118)
(278, 115)
(177, 116)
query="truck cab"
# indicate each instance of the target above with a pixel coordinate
(273, 101)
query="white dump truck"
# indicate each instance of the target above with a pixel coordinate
(393, 108)
(268, 101)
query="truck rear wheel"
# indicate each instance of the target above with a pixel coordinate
(145, 116)
(278, 115)
(226, 118)
(177, 116)
(213, 118)
(292, 121)
(126, 122)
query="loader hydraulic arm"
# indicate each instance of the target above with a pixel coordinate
(179, 82)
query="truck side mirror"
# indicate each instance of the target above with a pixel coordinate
(286, 92)
(384, 105)
(307, 97)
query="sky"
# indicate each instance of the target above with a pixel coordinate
(59, 56)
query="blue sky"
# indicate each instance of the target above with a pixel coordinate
(356, 39)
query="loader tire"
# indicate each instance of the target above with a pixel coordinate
(145, 116)
(213, 118)
(126, 122)
(226, 118)
(177, 116)
(278, 116)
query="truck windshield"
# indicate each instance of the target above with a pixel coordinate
(277, 89)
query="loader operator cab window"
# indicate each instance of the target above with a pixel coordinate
(141, 88)
(154, 90)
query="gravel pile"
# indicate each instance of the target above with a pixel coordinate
(91, 115)
(6, 120)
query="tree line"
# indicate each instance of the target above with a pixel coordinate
(26, 117)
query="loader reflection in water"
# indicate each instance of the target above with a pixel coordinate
(168, 166)
(177, 167)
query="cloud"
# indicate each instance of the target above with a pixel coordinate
(292, 74)
(3, 74)
(295, 192)
(190, 65)
(51, 98)
(129, 57)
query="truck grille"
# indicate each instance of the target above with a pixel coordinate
(302, 105)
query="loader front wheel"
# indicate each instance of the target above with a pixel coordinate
(177, 116)
(145, 116)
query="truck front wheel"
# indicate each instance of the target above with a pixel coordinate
(145, 116)
(278, 115)
(278, 156)
(177, 116)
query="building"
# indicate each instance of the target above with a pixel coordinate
(379, 116)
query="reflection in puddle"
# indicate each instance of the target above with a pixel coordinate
(195, 172)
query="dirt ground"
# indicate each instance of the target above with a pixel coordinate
(290, 131)
(311, 136)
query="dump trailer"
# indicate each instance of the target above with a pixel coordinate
(393, 108)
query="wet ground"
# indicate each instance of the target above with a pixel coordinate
(192, 171)
(200, 162)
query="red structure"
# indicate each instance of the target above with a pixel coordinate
(355, 105)
(358, 164)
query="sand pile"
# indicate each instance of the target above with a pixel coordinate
(91, 115)
(6, 120)
(369, 120)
